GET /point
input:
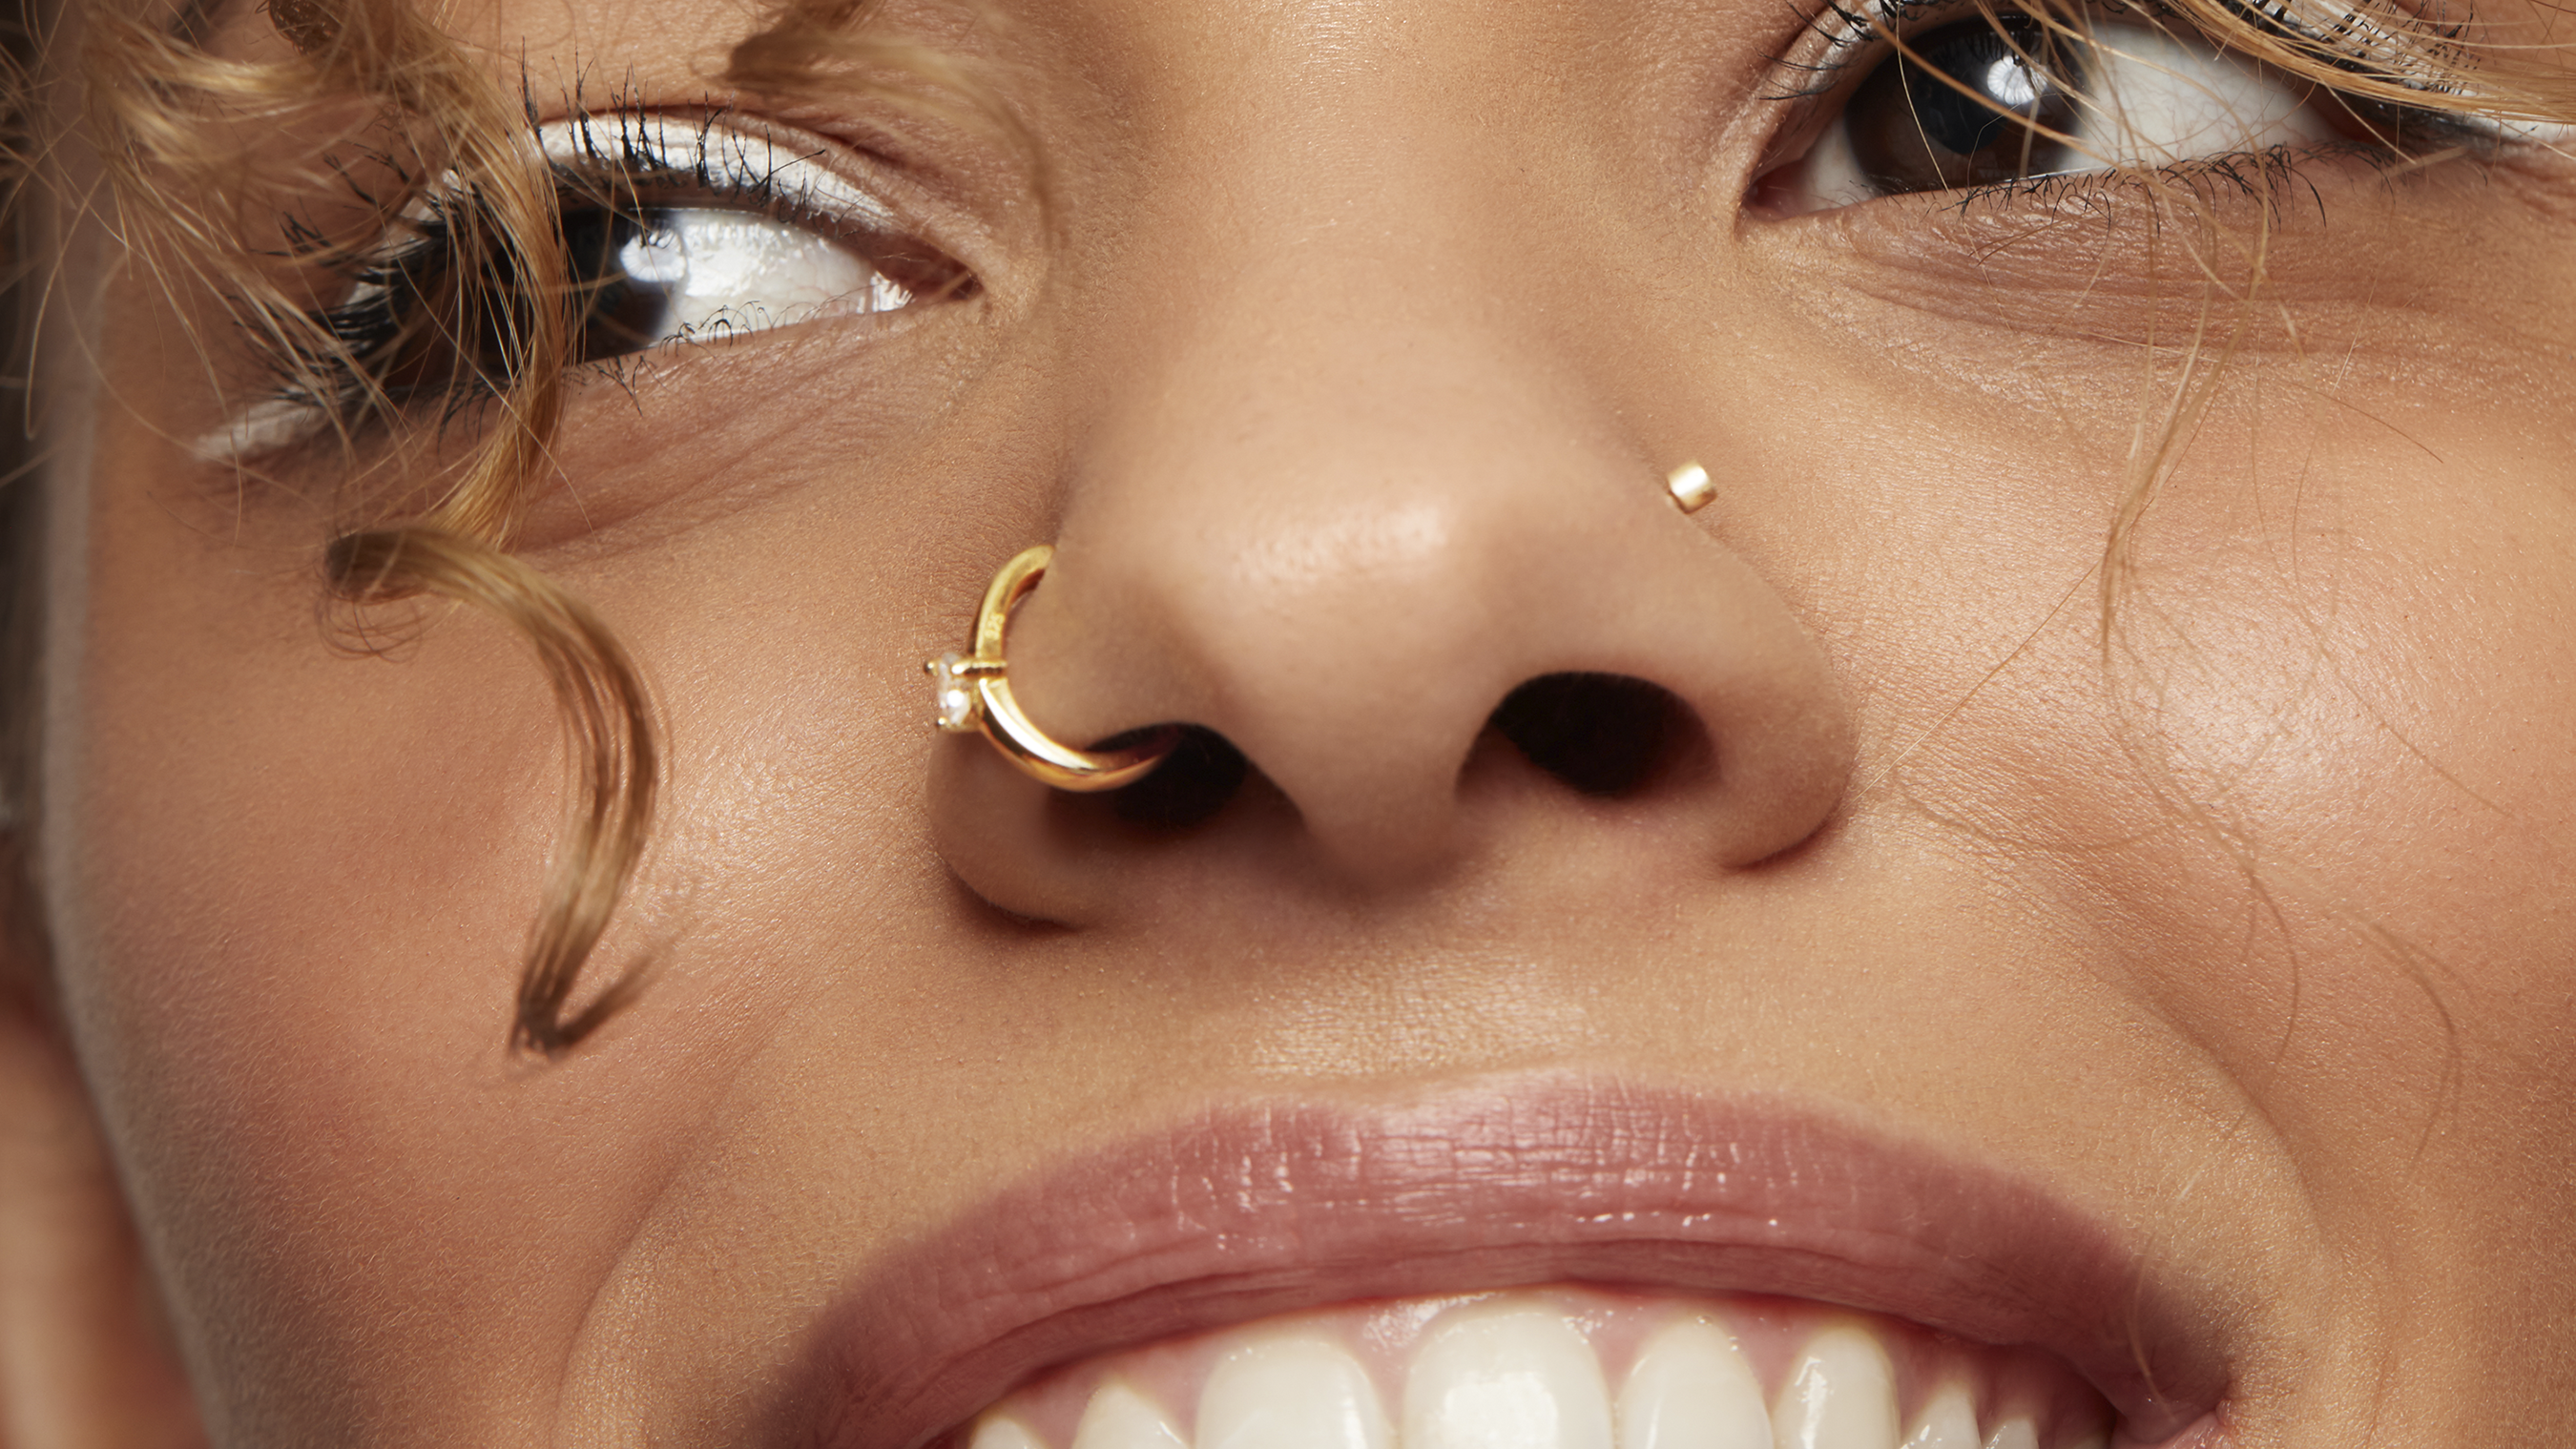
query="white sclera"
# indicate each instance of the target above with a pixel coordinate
(2155, 99)
(727, 272)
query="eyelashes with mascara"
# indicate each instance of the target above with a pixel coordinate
(673, 229)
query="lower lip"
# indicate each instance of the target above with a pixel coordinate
(1264, 1208)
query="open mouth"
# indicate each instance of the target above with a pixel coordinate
(1593, 1257)
(1558, 1368)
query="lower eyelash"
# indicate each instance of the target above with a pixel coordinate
(2272, 172)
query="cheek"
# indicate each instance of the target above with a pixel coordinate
(2304, 793)
(2352, 681)
(292, 886)
(274, 840)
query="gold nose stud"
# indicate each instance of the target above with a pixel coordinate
(973, 694)
(1690, 487)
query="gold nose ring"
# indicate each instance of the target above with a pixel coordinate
(974, 694)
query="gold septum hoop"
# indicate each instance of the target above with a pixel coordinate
(974, 694)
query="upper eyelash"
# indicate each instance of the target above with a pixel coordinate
(625, 147)
(2352, 42)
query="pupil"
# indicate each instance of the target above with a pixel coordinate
(1961, 110)
(1999, 85)
(626, 267)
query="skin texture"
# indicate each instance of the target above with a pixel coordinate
(1342, 364)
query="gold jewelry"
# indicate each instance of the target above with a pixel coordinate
(1690, 487)
(974, 693)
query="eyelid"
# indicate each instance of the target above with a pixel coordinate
(720, 158)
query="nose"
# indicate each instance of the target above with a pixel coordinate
(1365, 541)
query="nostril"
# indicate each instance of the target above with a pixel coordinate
(1202, 773)
(1604, 734)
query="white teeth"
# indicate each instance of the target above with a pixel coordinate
(1118, 1417)
(1004, 1434)
(1948, 1422)
(1519, 1378)
(1692, 1389)
(1518, 1370)
(1841, 1395)
(1291, 1393)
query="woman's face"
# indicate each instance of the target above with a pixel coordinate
(2180, 1004)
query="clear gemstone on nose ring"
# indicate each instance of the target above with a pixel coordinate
(972, 695)
(952, 689)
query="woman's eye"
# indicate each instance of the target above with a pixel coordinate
(647, 276)
(1986, 102)
(673, 230)
(759, 234)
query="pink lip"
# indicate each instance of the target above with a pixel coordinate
(1249, 1211)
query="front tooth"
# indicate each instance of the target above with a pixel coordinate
(1948, 1422)
(1003, 1434)
(2014, 1434)
(1517, 1378)
(1692, 1389)
(1291, 1393)
(1118, 1417)
(1841, 1395)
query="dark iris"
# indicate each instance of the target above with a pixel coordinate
(1968, 107)
(618, 311)
(447, 316)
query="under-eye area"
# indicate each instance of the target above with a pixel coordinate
(1555, 1368)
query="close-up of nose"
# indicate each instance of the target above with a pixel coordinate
(1340, 504)
(1414, 580)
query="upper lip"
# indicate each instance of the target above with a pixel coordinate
(1261, 1208)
